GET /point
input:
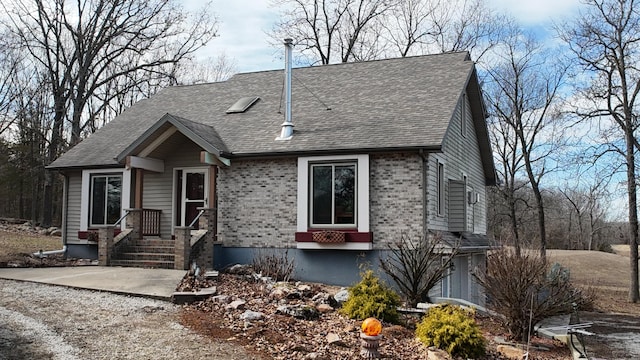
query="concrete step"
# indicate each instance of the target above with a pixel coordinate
(152, 242)
(143, 264)
(154, 256)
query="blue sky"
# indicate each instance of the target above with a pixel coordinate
(244, 23)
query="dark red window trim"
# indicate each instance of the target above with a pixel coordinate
(351, 235)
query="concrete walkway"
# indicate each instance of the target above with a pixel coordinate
(152, 283)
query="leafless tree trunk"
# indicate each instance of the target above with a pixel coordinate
(605, 40)
(523, 88)
(89, 44)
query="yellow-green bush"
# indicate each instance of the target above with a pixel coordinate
(452, 329)
(371, 298)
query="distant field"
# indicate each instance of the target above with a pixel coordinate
(12, 243)
(608, 274)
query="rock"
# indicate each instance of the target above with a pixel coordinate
(334, 339)
(211, 274)
(510, 352)
(224, 299)
(304, 289)
(236, 305)
(324, 298)
(240, 269)
(56, 232)
(314, 356)
(277, 293)
(299, 311)
(324, 308)
(252, 315)
(437, 354)
(350, 328)
(341, 296)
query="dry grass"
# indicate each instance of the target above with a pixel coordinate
(605, 273)
(12, 244)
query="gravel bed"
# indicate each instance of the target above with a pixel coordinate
(40, 321)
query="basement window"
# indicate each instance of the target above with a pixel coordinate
(243, 104)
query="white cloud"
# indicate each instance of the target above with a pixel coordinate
(242, 33)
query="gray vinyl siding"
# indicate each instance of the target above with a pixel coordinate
(457, 206)
(158, 187)
(461, 156)
(73, 208)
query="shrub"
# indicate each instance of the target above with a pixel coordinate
(273, 263)
(525, 290)
(452, 329)
(371, 298)
(418, 266)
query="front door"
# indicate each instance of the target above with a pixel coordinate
(192, 187)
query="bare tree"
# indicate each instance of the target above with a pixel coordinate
(211, 69)
(418, 266)
(88, 44)
(605, 41)
(324, 29)
(506, 146)
(466, 25)
(9, 63)
(522, 90)
(358, 30)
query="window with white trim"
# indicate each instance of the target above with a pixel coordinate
(106, 199)
(333, 194)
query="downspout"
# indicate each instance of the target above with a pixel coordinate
(287, 125)
(65, 194)
(425, 168)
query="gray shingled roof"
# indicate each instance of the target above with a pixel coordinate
(403, 103)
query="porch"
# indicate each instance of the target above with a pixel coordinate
(140, 244)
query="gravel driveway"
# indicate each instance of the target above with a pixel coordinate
(49, 322)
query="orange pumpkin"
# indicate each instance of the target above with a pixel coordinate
(371, 326)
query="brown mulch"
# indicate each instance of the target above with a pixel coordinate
(279, 336)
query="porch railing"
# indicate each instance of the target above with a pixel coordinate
(151, 222)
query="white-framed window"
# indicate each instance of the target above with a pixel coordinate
(440, 188)
(92, 180)
(333, 192)
(105, 200)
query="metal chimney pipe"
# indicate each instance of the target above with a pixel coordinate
(287, 125)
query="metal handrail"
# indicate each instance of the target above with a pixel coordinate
(126, 213)
(197, 217)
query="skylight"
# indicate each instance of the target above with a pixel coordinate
(242, 105)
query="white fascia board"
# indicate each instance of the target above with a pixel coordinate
(146, 163)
